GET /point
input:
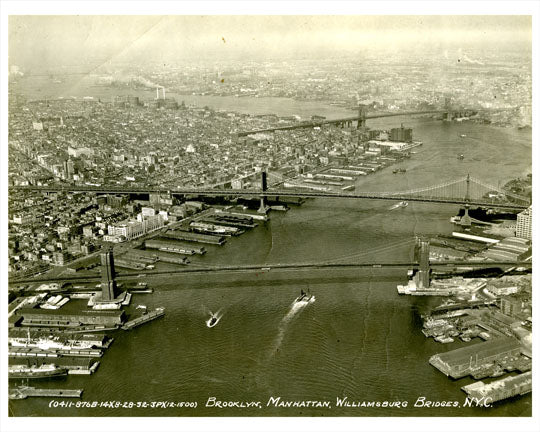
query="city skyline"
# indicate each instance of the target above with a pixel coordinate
(174, 39)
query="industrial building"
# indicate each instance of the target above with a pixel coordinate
(59, 318)
(508, 249)
(401, 134)
(462, 361)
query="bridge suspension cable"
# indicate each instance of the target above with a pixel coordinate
(373, 251)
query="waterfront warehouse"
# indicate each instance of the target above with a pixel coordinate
(501, 389)
(462, 361)
(55, 318)
(195, 237)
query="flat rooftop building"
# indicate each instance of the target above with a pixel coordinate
(59, 318)
(460, 362)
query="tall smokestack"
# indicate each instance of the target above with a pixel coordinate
(157, 92)
(163, 92)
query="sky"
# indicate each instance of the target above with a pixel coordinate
(41, 42)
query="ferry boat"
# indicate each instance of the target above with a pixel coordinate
(34, 372)
(50, 343)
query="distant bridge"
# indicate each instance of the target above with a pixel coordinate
(465, 191)
(360, 119)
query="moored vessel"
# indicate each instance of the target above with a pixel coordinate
(34, 372)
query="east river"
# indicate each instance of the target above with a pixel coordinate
(359, 339)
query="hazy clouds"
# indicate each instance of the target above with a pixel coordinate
(48, 41)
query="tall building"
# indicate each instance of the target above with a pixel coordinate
(401, 134)
(108, 282)
(524, 224)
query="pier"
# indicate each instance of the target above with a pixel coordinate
(195, 237)
(144, 318)
(501, 389)
(174, 246)
(23, 392)
(36, 352)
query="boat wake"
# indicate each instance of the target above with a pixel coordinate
(295, 309)
(399, 205)
(214, 318)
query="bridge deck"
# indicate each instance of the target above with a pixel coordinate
(309, 124)
(273, 193)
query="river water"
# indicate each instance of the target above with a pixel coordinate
(359, 339)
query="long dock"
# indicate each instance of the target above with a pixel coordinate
(195, 237)
(501, 389)
(173, 246)
(36, 352)
(144, 319)
(227, 222)
(261, 217)
(23, 392)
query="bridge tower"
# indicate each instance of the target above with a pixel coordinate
(108, 282)
(361, 116)
(264, 186)
(466, 219)
(422, 276)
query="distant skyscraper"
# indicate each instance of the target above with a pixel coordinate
(524, 224)
(108, 283)
(70, 169)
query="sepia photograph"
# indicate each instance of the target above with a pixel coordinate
(269, 213)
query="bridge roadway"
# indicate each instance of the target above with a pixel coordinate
(269, 267)
(268, 193)
(315, 123)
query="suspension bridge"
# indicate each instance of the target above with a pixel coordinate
(467, 191)
(360, 119)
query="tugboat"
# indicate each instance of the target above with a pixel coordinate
(304, 297)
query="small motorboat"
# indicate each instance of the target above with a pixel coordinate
(214, 319)
(461, 157)
(399, 205)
